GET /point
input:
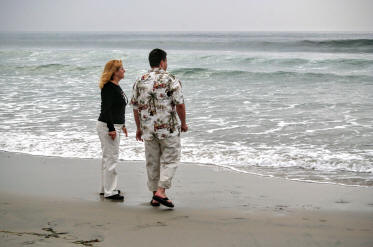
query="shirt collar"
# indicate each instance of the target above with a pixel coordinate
(156, 69)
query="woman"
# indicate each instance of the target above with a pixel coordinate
(110, 123)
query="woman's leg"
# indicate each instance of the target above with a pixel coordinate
(110, 156)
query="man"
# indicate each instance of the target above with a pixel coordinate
(157, 97)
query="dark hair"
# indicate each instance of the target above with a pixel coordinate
(156, 56)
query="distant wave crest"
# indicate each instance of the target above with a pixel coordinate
(55, 66)
(339, 42)
(204, 72)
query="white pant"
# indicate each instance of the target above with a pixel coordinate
(110, 155)
(162, 158)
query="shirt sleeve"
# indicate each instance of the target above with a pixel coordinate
(135, 96)
(107, 103)
(177, 92)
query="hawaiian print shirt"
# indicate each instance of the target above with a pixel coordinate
(155, 96)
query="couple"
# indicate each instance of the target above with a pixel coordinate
(157, 98)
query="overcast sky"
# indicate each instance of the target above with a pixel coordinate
(186, 15)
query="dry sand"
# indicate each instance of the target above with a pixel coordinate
(49, 201)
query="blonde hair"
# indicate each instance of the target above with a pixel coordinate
(110, 68)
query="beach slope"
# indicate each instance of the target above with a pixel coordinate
(51, 201)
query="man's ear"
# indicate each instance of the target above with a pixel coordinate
(161, 64)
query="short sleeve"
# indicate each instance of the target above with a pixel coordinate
(135, 96)
(177, 92)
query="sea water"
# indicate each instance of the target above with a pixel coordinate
(292, 105)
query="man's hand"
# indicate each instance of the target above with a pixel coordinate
(184, 127)
(125, 131)
(138, 135)
(112, 134)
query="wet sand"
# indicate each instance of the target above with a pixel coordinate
(50, 201)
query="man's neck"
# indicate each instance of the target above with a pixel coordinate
(157, 68)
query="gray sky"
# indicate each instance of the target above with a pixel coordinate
(187, 15)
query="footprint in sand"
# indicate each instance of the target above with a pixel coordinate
(239, 218)
(341, 201)
(280, 207)
(365, 230)
(180, 217)
(28, 242)
(157, 224)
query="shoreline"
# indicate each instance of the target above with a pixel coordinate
(138, 167)
(51, 201)
(210, 165)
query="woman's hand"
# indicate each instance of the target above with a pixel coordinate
(112, 134)
(125, 131)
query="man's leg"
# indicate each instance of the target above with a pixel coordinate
(152, 155)
(169, 161)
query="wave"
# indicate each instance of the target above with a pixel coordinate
(284, 61)
(56, 66)
(305, 45)
(277, 67)
(190, 71)
(48, 66)
(344, 61)
(359, 63)
(353, 63)
(205, 72)
(292, 162)
(339, 43)
(218, 60)
(279, 42)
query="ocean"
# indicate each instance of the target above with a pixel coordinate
(292, 105)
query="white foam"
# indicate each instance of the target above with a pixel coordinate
(242, 123)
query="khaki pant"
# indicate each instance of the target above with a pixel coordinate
(162, 158)
(110, 155)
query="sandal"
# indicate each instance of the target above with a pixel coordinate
(163, 201)
(154, 204)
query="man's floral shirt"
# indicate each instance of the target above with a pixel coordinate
(155, 96)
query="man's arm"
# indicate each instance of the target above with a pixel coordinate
(180, 109)
(137, 120)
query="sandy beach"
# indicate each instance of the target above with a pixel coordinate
(51, 201)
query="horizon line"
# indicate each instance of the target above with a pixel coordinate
(180, 31)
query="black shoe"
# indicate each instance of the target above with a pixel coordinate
(155, 204)
(102, 193)
(116, 197)
(164, 201)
